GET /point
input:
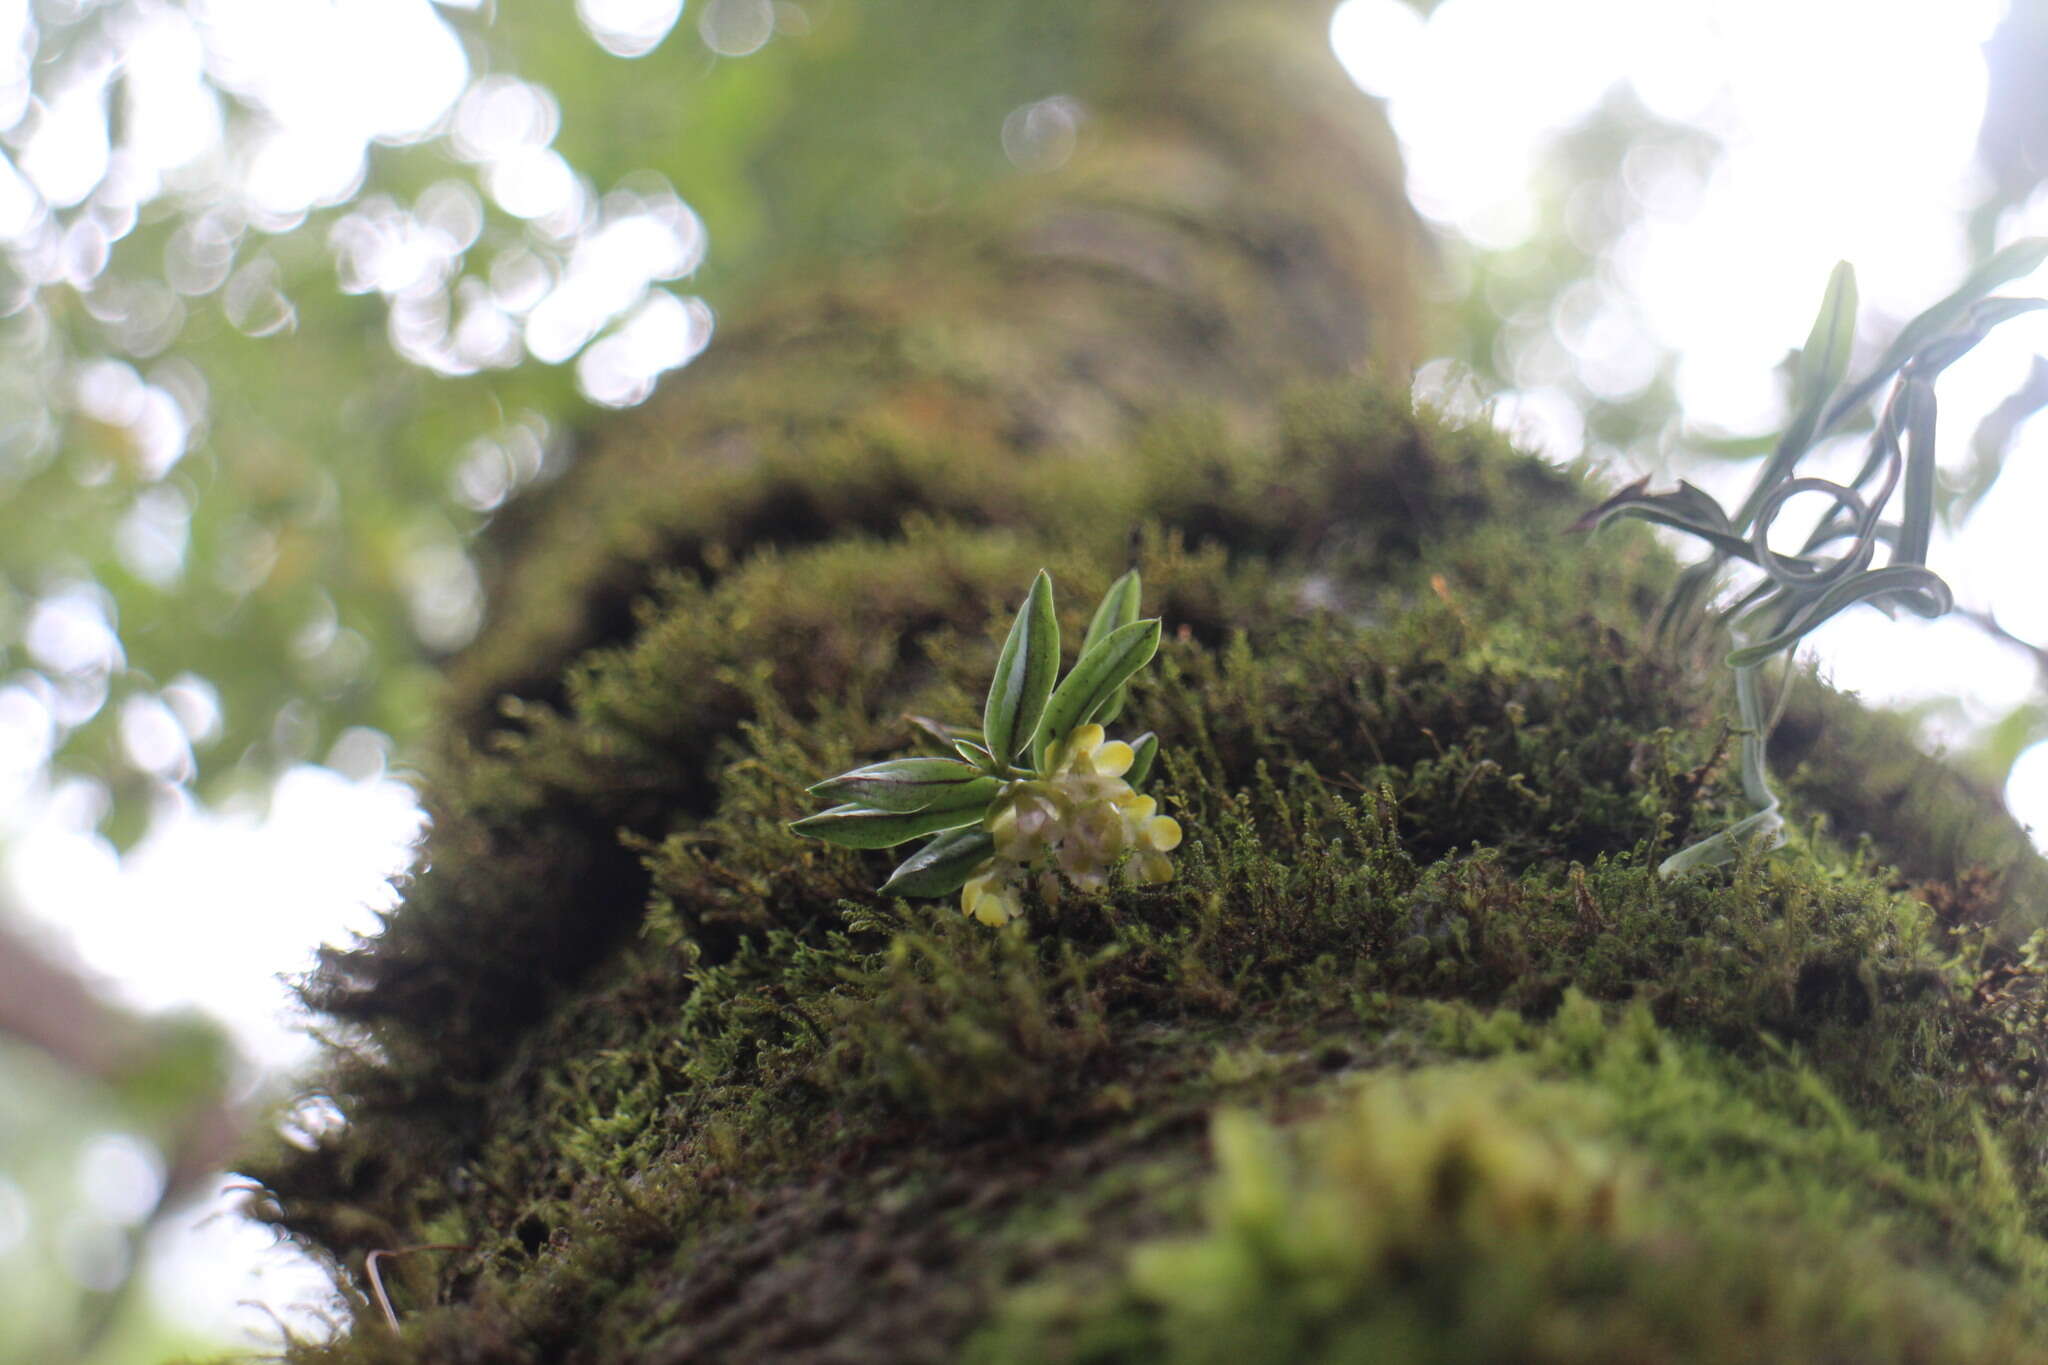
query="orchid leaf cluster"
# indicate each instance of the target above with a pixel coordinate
(1837, 565)
(1038, 793)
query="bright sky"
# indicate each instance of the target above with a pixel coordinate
(1849, 129)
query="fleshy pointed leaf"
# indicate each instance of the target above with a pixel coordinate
(1096, 677)
(1119, 608)
(853, 826)
(975, 754)
(909, 784)
(1144, 750)
(1824, 360)
(1822, 363)
(942, 866)
(1029, 663)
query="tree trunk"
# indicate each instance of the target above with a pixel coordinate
(672, 1084)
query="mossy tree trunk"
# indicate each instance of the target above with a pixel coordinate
(681, 1086)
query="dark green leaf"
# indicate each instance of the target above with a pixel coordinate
(1916, 532)
(908, 784)
(1024, 674)
(1144, 749)
(1686, 509)
(1119, 608)
(1096, 677)
(942, 866)
(865, 827)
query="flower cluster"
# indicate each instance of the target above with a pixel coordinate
(1039, 792)
(1078, 823)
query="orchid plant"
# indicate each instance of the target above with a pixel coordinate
(1835, 568)
(1039, 793)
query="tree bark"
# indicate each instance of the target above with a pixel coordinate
(665, 1083)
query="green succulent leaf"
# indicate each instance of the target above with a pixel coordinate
(854, 826)
(977, 755)
(942, 866)
(1144, 749)
(1096, 677)
(1029, 663)
(1119, 607)
(911, 784)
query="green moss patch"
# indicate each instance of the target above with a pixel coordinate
(689, 1089)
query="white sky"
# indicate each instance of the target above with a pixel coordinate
(1849, 128)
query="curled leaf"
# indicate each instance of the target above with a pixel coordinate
(1920, 591)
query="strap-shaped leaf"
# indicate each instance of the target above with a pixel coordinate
(1916, 531)
(2019, 258)
(1096, 677)
(1825, 357)
(1119, 608)
(1977, 323)
(908, 784)
(1919, 590)
(942, 866)
(1822, 363)
(1024, 674)
(1691, 589)
(853, 826)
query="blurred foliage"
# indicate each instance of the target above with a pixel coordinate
(90, 1168)
(242, 446)
(1549, 312)
(2012, 144)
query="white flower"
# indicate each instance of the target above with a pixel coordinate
(1084, 817)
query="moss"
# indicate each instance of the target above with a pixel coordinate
(1602, 1193)
(688, 1089)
